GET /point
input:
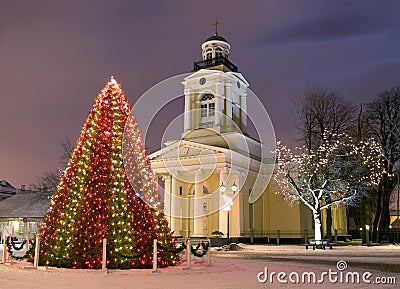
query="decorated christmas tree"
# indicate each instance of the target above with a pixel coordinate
(94, 199)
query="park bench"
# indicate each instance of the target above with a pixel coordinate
(319, 244)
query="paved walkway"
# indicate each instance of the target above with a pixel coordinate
(385, 258)
(242, 269)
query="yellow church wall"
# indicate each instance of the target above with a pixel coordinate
(244, 212)
(212, 184)
(280, 215)
(212, 219)
(339, 220)
(269, 213)
(258, 217)
(306, 222)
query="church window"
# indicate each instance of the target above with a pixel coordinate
(207, 96)
(209, 53)
(218, 52)
(204, 110)
(211, 109)
(207, 110)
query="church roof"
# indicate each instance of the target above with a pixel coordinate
(216, 37)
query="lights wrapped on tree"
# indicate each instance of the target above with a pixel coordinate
(94, 199)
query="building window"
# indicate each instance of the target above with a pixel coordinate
(211, 109)
(180, 191)
(207, 105)
(204, 110)
(206, 97)
(218, 52)
(207, 110)
(209, 53)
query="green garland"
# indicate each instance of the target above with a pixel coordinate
(134, 256)
(11, 245)
(205, 249)
(30, 253)
(149, 248)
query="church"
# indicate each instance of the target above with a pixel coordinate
(208, 177)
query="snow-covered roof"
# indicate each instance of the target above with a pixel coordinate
(25, 204)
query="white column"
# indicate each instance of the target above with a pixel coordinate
(188, 109)
(175, 210)
(228, 106)
(235, 212)
(218, 101)
(198, 206)
(167, 198)
(243, 112)
(223, 214)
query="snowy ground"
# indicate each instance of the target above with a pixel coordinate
(228, 270)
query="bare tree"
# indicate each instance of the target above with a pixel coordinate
(382, 119)
(67, 148)
(342, 170)
(322, 113)
(47, 183)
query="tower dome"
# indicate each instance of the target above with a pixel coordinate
(215, 53)
(215, 46)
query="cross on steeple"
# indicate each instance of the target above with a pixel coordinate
(216, 23)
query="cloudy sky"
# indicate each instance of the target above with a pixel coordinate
(55, 56)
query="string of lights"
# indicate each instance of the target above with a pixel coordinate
(94, 199)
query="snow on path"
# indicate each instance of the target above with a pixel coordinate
(224, 272)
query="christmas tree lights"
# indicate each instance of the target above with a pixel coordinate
(94, 199)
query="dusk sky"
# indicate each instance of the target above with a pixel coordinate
(55, 56)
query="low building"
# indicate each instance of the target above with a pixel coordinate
(24, 211)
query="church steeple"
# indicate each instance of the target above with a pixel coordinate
(215, 93)
(215, 53)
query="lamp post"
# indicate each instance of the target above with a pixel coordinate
(228, 225)
(367, 227)
(234, 188)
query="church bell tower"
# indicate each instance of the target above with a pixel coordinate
(215, 93)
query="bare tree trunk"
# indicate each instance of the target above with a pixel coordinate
(363, 220)
(329, 223)
(384, 220)
(317, 225)
(377, 216)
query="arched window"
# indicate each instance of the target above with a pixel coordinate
(218, 52)
(207, 110)
(209, 53)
